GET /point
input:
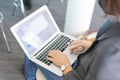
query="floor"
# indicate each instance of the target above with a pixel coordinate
(11, 64)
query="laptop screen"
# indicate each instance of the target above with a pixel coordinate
(35, 31)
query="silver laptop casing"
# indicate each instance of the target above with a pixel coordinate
(53, 68)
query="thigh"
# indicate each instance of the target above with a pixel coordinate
(49, 75)
(30, 69)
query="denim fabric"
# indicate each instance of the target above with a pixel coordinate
(49, 75)
(30, 69)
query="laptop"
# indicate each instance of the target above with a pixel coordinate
(37, 34)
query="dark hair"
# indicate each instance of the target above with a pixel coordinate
(110, 7)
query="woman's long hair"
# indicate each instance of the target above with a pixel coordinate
(110, 7)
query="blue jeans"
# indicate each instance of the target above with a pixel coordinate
(30, 69)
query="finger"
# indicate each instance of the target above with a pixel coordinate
(74, 42)
(50, 59)
(54, 53)
(78, 50)
(57, 51)
(51, 54)
(77, 42)
(81, 48)
(75, 46)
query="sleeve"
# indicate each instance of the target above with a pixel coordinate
(109, 21)
(106, 65)
(76, 74)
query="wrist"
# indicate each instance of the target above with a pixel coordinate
(66, 68)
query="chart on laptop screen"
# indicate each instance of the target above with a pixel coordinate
(35, 31)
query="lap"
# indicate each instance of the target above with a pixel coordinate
(49, 75)
(30, 69)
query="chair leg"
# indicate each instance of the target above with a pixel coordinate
(19, 4)
(3, 32)
(5, 38)
(15, 5)
(13, 13)
(22, 8)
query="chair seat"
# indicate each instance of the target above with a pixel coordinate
(39, 75)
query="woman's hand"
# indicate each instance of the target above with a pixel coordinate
(84, 42)
(58, 58)
(78, 46)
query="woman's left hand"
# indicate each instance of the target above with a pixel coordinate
(78, 46)
(58, 58)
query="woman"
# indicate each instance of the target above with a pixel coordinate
(101, 61)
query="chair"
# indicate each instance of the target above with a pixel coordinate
(3, 32)
(19, 4)
(39, 75)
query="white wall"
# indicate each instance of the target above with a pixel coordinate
(78, 16)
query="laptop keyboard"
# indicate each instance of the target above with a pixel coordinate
(60, 43)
